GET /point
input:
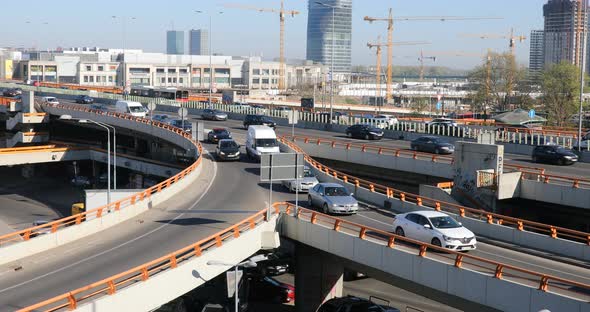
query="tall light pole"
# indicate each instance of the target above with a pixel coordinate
(210, 54)
(114, 147)
(582, 72)
(332, 58)
(69, 117)
(123, 26)
(245, 264)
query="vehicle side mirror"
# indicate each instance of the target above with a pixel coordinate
(321, 194)
(239, 146)
(351, 194)
(427, 226)
(460, 223)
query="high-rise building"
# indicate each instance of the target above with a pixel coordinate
(321, 39)
(536, 58)
(562, 31)
(198, 42)
(175, 42)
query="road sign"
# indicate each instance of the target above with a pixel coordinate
(214, 90)
(438, 105)
(293, 117)
(532, 114)
(438, 97)
(182, 112)
(151, 107)
(230, 277)
(281, 167)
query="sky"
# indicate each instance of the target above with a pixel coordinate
(67, 23)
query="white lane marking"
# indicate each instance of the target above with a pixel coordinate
(125, 243)
(375, 220)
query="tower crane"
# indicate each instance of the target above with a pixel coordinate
(512, 38)
(282, 13)
(391, 19)
(421, 59)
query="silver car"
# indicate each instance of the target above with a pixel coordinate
(332, 198)
(213, 114)
(306, 182)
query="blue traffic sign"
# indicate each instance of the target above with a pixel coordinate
(438, 105)
(532, 113)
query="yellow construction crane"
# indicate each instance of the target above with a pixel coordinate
(421, 59)
(511, 38)
(390, 20)
(282, 13)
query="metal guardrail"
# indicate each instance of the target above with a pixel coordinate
(499, 270)
(54, 226)
(529, 173)
(111, 285)
(489, 217)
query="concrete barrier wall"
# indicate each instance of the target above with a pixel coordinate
(476, 287)
(356, 156)
(480, 227)
(437, 194)
(66, 235)
(554, 193)
(170, 284)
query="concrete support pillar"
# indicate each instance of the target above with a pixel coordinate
(28, 102)
(318, 277)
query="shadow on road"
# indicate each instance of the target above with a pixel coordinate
(190, 221)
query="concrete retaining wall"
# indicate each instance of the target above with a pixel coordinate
(169, 285)
(464, 283)
(554, 193)
(480, 227)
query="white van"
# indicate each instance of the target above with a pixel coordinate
(130, 107)
(261, 140)
(49, 100)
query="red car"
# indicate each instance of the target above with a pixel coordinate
(267, 289)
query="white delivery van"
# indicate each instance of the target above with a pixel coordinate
(50, 100)
(130, 107)
(261, 140)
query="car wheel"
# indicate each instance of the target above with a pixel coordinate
(348, 134)
(325, 209)
(309, 201)
(412, 147)
(399, 231)
(436, 242)
(535, 159)
(367, 137)
(436, 151)
(561, 162)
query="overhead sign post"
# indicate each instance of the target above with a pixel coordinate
(281, 167)
(293, 118)
(182, 113)
(151, 107)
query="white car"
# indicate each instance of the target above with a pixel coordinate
(306, 182)
(435, 228)
(384, 121)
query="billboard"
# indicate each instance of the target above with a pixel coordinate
(8, 69)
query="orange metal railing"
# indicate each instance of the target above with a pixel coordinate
(530, 173)
(499, 270)
(489, 217)
(54, 226)
(111, 285)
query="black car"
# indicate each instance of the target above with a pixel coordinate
(267, 289)
(10, 93)
(554, 154)
(84, 99)
(218, 134)
(366, 132)
(228, 149)
(178, 123)
(258, 120)
(351, 303)
(274, 263)
(432, 144)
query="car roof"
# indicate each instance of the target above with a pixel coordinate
(429, 213)
(328, 184)
(226, 140)
(219, 129)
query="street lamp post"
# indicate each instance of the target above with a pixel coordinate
(582, 73)
(245, 264)
(210, 55)
(114, 148)
(123, 26)
(332, 58)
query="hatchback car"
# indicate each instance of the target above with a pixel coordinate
(10, 93)
(161, 117)
(213, 114)
(444, 122)
(306, 182)
(332, 198)
(267, 289)
(84, 99)
(218, 134)
(352, 304)
(432, 144)
(435, 228)
(554, 154)
(366, 132)
(227, 149)
(258, 120)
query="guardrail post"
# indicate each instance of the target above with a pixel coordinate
(112, 289)
(363, 233)
(576, 184)
(422, 252)
(73, 304)
(553, 232)
(144, 274)
(337, 225)
(218, 241)
(437, 206)
(372, 188)
(459, 261)
(498, 273)
(173, 263)
(345, 179)
(462, 212)
(544, 283)
(198, 250)
(490, 218)
(391, 242)
(520, 225)
(314, 217)
(380, 151)
(236, 232)
(418, 201)
(402, 196)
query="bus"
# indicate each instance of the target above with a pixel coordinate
(165, 93)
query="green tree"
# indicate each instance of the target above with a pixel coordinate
(419, 105)
(561, 92)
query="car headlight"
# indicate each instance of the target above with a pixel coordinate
(567, 157)
(214, 136)
(448, 238)
(221, 153)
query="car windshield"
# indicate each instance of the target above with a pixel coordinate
(335, 191)
(308, 174)
(136, 109)
(266, 142)
(229, 144)
(444, 222)
(219, 131)
(561, 149)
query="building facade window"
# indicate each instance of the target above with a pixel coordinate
(256, 72)
(264, 80)
(90, 78)
(88, 67)
(180, 80)
(171, 70)
(100, 68)
(85, 78)
(111, 79)
(160, 70)
(256, 80)
(163, 80)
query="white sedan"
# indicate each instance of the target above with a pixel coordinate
(435, 228)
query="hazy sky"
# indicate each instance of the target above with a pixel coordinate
(68, 23)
